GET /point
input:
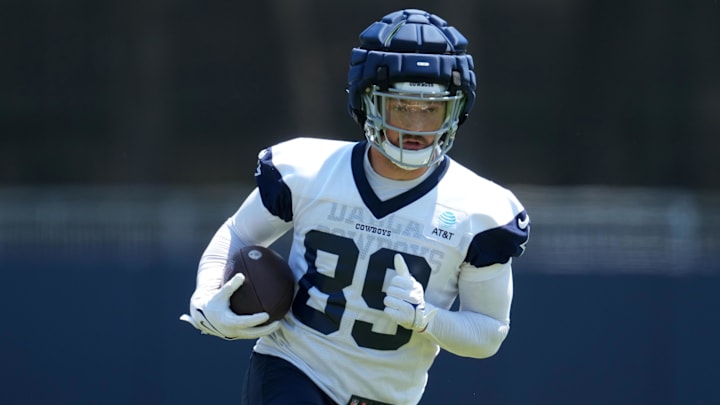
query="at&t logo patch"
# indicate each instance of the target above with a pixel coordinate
(444, 227)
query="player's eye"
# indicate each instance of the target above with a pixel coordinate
(415, 108)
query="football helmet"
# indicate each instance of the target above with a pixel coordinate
(412, 58)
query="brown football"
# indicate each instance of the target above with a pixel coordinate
(269, 282)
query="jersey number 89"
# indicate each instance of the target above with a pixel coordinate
(347, 253)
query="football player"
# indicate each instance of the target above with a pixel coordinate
(387, 233)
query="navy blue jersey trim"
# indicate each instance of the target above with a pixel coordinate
(498, 245)
(276, 195)
(380, 208)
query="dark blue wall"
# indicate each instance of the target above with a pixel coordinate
(157, 91)
(102, 328)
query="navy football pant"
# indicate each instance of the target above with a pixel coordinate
(271, 380)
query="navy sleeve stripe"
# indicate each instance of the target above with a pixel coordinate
(275, 194)
(498, 245)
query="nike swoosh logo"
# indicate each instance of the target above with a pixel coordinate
(523, 223)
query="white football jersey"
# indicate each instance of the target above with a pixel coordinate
(344, 241)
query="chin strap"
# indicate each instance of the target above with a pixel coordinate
(408, 159)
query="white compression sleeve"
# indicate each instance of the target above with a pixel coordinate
(478, 329)
(252, 224)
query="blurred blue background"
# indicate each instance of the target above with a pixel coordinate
(129, 130)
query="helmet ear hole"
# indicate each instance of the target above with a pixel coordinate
(358, 116)
(382, 79)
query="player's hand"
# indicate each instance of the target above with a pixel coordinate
(405, 300)
(213, 316)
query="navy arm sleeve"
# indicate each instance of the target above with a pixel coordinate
(498, 245)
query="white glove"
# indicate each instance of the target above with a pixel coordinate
(405, 300)
(213, 315)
